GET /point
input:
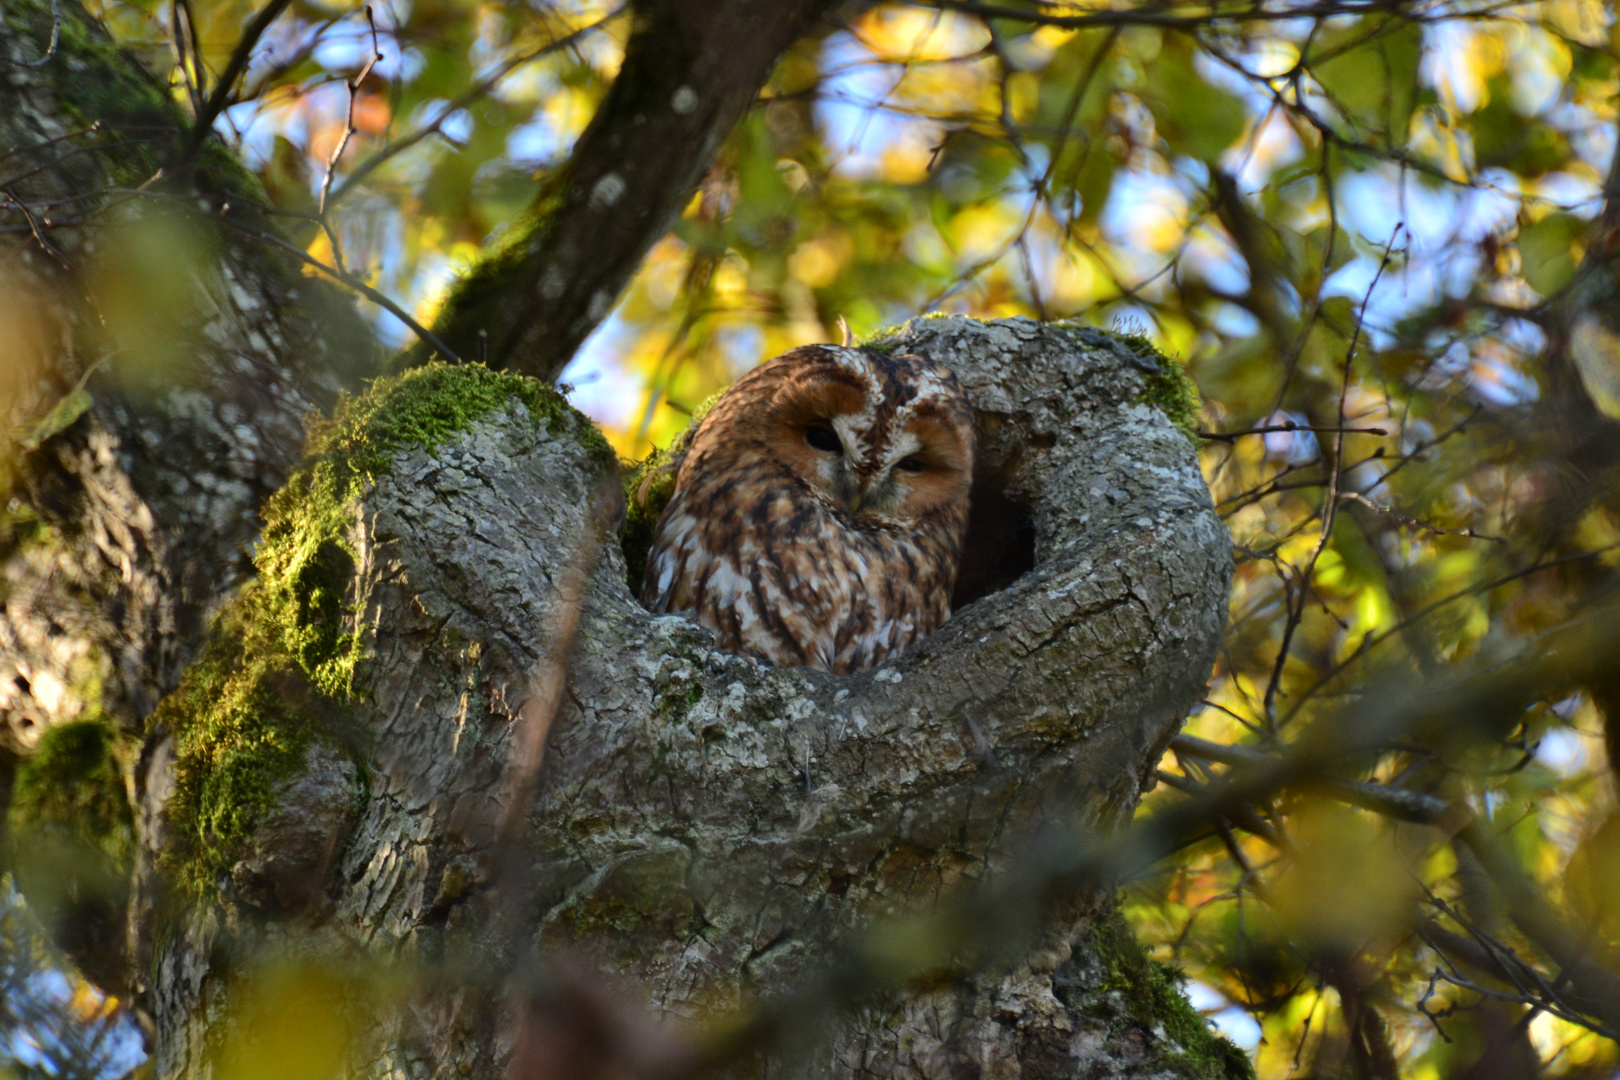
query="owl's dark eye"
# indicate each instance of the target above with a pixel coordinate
(910, 464)
(823, 439)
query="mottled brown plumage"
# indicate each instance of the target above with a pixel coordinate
(819, 509)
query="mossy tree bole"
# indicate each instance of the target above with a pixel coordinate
(675, 800)
(279, 670)
(279, 676)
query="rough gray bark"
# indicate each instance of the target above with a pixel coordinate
(708, 826)
(200, 354)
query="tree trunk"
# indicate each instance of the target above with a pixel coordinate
(336, 776)
(154, 381)
(706, 826)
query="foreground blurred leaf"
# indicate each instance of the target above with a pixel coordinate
(65, 412)
(1593, 879)
(1370, 68)
(1345, 887)
(1546, 249)
(291, 1020)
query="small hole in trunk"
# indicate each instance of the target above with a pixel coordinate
(1000, 546)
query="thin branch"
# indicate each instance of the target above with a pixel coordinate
(1156, 16)
(234, 68)
(348, 122)
(478, 90)
(1470, 533)
(351, 281)
(50, 49)
(1272, 429)
(1330, 504)
(182, 57)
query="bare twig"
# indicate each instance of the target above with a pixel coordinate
(234, 68)
(38, 233)
(348, 122)
(44, 144)
(348, 279)
(1470, 533)
(1229, 436)
(1330, 504)
(478, 90)
(50, 49)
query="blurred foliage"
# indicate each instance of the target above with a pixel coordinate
(53, 1025)
(1349, 222)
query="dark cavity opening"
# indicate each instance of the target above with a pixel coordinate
(1000, 545)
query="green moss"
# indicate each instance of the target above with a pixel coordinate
(242, 723)
(72, 785)
(648, 486)
(1169, 389)
(1172, 391)
(678, 699)
(882, 340)
(306, 559)
(427, 406)
(1153, 1000)
(280, 668)
(72, 839)
(885, 339)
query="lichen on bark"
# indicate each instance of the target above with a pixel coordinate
(1166, 384)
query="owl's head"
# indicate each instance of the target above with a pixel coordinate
(886, 439)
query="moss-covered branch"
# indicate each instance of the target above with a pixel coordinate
(279, 672)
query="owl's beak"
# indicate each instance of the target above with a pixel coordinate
(855, 502)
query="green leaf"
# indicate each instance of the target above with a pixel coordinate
(1193, 116)
(1546, 252)
(1503, 137)
(1095, 180)
(59, 419)
(1371, 70)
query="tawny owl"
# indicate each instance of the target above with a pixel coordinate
(820, 508)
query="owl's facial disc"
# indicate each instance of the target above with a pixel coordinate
(885, 462)
(922, 466)
(893, 480)
(837, 469)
